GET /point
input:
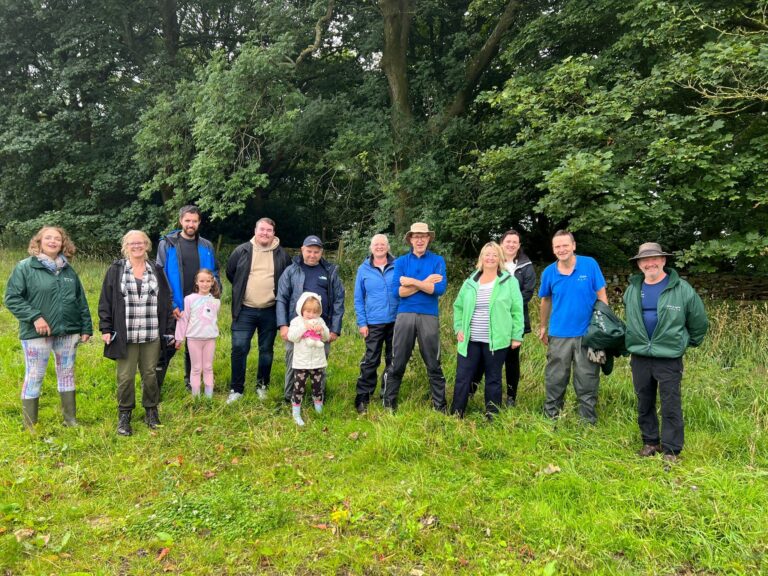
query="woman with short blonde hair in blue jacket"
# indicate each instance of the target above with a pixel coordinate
(488, 321)
(376, 310)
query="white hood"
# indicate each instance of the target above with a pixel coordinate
(303, 298)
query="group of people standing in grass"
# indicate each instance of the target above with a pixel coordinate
(148, 308)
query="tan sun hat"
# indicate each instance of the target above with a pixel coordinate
(649, 250)
(419, 228)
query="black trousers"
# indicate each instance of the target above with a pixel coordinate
(511, 369)
(379, 338)
(664, 375)
(166, 356)
(478, 354)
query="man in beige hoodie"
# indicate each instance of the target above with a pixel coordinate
(254, 269)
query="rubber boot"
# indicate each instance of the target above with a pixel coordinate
(296, 413)
(29, 408)
(68, 407)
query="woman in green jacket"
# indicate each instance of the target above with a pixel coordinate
(46, 296)
(488, 321)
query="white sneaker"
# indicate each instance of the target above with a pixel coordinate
(233, 397)
(261, 392)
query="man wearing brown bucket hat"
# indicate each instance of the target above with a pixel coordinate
(419, 280)
(664, 316)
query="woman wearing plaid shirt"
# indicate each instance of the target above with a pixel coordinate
(135, 315)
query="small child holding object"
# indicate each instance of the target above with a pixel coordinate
(198, 325)
(308, 332)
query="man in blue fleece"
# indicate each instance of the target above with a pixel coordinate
(419, 280)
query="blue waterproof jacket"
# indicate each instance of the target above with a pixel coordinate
(169, 261)
(375, 303)
(291, 286)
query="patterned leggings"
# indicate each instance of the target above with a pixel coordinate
(36, 354)
(300, 377)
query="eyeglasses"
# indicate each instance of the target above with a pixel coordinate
(137, 244)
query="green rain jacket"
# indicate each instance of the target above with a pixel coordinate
(33, 291)
(506, 311)
(682, 319)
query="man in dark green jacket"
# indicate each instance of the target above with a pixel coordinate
(664, 316)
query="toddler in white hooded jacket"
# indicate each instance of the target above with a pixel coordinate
(308, 332)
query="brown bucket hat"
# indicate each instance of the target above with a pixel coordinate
(649, 250)
(419, 228)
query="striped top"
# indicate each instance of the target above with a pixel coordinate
(478, 327)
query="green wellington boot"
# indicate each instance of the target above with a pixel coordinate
(29, 408)
(68, 407)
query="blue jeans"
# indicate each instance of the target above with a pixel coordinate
(248, 321)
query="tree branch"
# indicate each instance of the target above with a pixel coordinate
(480, 62)
(320, 27)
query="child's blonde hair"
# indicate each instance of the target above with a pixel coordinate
(311, 304)
(215, 290)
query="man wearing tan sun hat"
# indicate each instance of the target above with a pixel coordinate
(419, 280)
(664, 316)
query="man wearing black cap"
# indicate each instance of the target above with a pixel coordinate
(664, 316)
(309, 272)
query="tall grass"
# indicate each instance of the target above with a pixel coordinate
(240, 490)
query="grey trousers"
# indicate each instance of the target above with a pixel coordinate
(289, 372)
(410, 328)
(562, 353)
(144, 356)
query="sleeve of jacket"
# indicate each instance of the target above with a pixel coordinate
(216, 273)
(362, 319)
(283, 298)
(232, 265)
(16, 296)
(326, 332)
(338, 303)
(696, 319)
(86, 326)
(458, 309)
(162, 253)
(518, 322)
(296, 329)
(528, 287)
(440, 269)
(170, 319)
(106, 323)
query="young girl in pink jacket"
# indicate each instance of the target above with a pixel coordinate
(198, 325)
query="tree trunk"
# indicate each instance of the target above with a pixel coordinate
(397, 21)
(170, 26)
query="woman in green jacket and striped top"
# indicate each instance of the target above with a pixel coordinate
(488, 321)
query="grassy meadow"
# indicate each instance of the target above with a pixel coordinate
(240, 490)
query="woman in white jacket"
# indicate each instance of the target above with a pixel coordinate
(308, 332)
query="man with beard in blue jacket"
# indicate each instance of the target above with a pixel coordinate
(180, 254)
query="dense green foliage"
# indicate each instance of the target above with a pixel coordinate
(623, 120)
(240, 490)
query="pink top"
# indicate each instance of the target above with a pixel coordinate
(198, 320)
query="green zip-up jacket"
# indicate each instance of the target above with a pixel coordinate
(505, 311)
(33, 292)
(682, 319)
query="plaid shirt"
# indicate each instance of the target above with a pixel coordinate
(140, 308)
